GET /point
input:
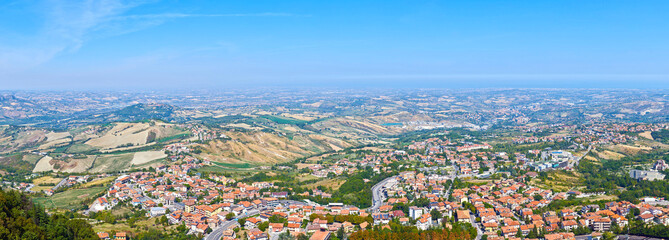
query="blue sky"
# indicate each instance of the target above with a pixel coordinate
(153, 44)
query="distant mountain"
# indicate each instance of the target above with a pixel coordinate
(12, 107)
(139, 112)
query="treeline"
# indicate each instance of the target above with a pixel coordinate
(661, 136)
(20, 218)
(399, 232)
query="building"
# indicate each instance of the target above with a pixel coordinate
(646, 175)
(320, 235)
(415, 212)
(157, 211)
(601, 224)
(463, 216)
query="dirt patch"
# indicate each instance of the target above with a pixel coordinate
(303, 165)
(46, 180)
(647, 134)
(606, 154)
(145, 157)
(330, 183)
(43, 165)
(627, 149)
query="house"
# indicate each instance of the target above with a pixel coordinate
(569, 225)
(120, 236)
(646, 217)
(320, 235)
(100, 204)
(275, 227)
(280, 194)
(256, 234)
(103, 235)
(424, 223)
(251, 223)
(348, 227)
(463, 216)
(229, 234)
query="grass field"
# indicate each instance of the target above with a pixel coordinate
(218, 169)
(123, 227)
(69, 199)
(330, 183)
(31, 158)
(558, 181)
(284, 120)
(80, 148)
(233, 165)
(99, 181)
(112, 162)
(45, 180)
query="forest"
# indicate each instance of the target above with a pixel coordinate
(20, 218)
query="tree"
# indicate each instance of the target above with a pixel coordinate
(340, 233)
(229, 216)
(285, 236)
(435, 214)
(538, 197)
(302, 237)
(263, 226)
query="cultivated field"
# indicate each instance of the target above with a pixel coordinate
(43, 165)
(69, 199)
(112, 162)
(144, 157)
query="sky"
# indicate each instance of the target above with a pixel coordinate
(199, 44)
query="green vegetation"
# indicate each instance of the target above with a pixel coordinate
(396, 231)
(611, 175)
(661, 136)
(16, 166)
(234, 165)
(112, 162)
(22, 219)
(355, 191)
(71, 199)
(284, 120)
(170, 138)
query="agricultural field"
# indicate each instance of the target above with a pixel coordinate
(46, 182)
(334, 183)
(112, 162)
(558, 181)
(101, 181)
(70, 199)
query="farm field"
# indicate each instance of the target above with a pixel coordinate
(112, 163)
(70, 199)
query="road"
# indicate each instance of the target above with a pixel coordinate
(581, 157)
(218, 232)
(60, 184)
(377, 194)
(479, 232)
